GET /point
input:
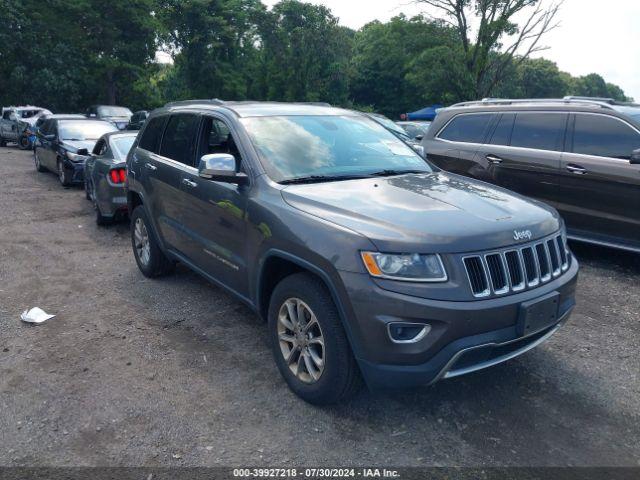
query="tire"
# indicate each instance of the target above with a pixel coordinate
(101, 220)
(157, 264)
(23, 142)
(3, 142)
(63, 176)
(36, 160)
(338, 378)
(87, 193)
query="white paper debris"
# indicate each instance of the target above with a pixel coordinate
(35, 315)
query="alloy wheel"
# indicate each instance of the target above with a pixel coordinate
(141, 239)
(62, 175)
(301, 340)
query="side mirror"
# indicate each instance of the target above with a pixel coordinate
(635, 157)
(220, 167)
(82, 151)
(50, 138)
(419, 149)
(419, 137)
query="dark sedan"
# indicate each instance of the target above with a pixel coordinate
(105, 175)
(63, 145)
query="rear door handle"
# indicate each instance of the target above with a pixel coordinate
(493, 159)
(577, 169)
(189, 183)
(150, 166)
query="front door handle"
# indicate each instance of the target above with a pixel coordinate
(189, 183)
(493, 159)
(577, 169)
(150, 166)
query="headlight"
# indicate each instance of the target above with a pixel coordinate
(74, 157)
(407, 267)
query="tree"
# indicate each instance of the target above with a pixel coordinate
(304, 54)
(496, 32)
(593, 85)
(385, 54)
(213, 43)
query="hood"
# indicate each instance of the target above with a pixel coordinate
(423, 213)
(75, 145)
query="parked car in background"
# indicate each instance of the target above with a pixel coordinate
(394, 128)
(119, 116)
(105, 175)
(32, 131)
(363, 258)
(64, 144)
(578, 154)
(137, 120)
(15, 120)
(415, 130)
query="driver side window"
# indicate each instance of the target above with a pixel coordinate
(217, 138)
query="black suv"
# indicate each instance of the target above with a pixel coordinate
(365, 260)
(580, 155)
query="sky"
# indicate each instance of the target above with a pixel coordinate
(593, 37)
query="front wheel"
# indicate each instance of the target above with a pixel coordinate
(151, 261)
(63, 175)
(308, 341)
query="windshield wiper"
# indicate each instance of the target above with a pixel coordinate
(320, 178)
(389, 173)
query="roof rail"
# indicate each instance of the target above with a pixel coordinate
(603, 103)
(212, 101)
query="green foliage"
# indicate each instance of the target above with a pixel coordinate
(68, 54)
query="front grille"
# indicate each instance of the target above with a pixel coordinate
(515, 269)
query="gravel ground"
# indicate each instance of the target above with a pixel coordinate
(176, 372)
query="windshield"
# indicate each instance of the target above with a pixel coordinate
(293, 147)
(84, 129)
(415, 129)
(633, 112)
(114, 112)
(122, 145)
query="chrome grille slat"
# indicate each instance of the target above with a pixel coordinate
(516, 269)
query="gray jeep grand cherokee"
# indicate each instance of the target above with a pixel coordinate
(365, 260)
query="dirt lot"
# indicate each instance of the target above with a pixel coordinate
(176, 372)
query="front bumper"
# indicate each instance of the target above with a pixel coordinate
(75, 170)
(464, 336)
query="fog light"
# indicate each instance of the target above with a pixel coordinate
(401, 332)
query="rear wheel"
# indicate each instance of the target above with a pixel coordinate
(309, 344)
(23, 142)
(3, 142)
(36, 160)
(101, 220)
(151, 261)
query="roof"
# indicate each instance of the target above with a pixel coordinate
(121, 133)
(260, 109)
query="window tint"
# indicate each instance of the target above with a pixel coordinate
(100, 148)
(152, 133)
(604, 136)
(467, 128)
(542, 131)
(502, 133)
(178, 138)
(46, 127)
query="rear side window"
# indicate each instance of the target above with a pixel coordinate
(467, 128)
(604, 137)
(151, 136)
(502, 133)
(541, 131)
(179, 137)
